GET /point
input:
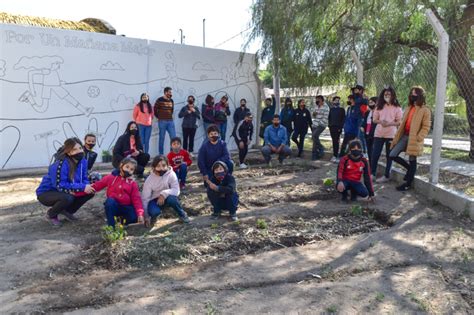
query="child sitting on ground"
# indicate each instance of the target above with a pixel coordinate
(349, 172)
(221, 191)
(123, 197)
(161, 189)
(180, 161)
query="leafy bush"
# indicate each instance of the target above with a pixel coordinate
(111, 234)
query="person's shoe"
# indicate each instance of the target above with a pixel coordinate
(69, 216)
(269, 164)
(191, 155)
(404, 187)
(243, 166)
(185, 220)
(233, 218)
(333, 159)
(54, 221)
(383, 179)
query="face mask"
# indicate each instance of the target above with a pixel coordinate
(318, 102)
(133, 132)
(242, 105)
(144, 101)
(349, 103)
(78, 156)
(219, 175)
(176, 150)
(161, 173)
(214, 138)
(413, 98)
(371, 106)
(387, 99)
(91, 146)
(288, 104)
(336, 103)
(126, 174)
(276, 124)
(190, 101)
(356, 153)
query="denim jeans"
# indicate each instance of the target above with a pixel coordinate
(165, 126)
(318, 148)
(377, 151)
(229, 202)
(181, 173)
(145, 135)
(267, 153)
(114, 209)
(356, 189)
(223, 129)
(154, 209)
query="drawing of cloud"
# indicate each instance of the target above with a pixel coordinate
(2, 67)
(37, 62)
(109, 65)
(201, 66)
(122, 102)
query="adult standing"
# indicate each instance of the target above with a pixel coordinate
(336, 118)
(267, 114)
(207, 110)
(287, 115)
(243, 132)
(66, 187)
(164, 107)
(320, 122)
(387, 116)
(351, 124)
(130, 145)
(411, 134)
(190, 114)
(302, 122)
(143, 116)
(369, 127)
(241, 112)
(221, 112)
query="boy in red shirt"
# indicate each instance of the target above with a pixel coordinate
(349, 172)
(179, 160)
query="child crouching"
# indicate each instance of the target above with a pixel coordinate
(221, 191)
(161, 189)
(349, 172)
(123, 197)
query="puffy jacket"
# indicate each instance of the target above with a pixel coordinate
(123, 190)
(58, 179)
(156, 186)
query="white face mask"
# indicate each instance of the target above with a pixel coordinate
(387, 99)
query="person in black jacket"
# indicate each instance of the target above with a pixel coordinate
(267, 114)
(89, 155)
(222, 192)
(190, 114)
(243, 136)
(241, 112)
(337, 116)
(369, 126)
(302, 122)
(130, 145)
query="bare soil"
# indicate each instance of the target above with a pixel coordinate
(295, 249)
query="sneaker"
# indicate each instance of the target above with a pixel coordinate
(215, 216)
(191, 155)
(403, 187)
(185, 220)
(333, 159)
(243, 166)
(54, 221)
(269, 164)
(69, 216)
(233, 218)
(383, 179)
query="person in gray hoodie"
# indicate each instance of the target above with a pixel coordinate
(190, 114)
(161, 189)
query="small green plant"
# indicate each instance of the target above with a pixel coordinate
(261, 224)
(238, 222)
(216, 238)
(332, 309)
(111, 234)
(210, 309)
(214, 226)
(422, 305)
(380, 296)
(328, 182)
(356, 210)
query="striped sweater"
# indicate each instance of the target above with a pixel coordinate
(163, 108)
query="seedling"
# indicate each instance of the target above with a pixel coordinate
(261, 224)
(210, 309)
(379, 297)
(356, 210)
(328, 182)
(214, 226)
(332, 309)
(216, 238)
(111, 234)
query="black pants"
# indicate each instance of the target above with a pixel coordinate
(336, 137)
(243, 152)
(61, 201)
(142, 160)
(370, 147)
(188, 138)
(299, 143)
(347, 138)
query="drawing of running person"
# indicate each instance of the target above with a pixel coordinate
(46, 67)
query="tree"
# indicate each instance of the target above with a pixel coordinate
(311, 40)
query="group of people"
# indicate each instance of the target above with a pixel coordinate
(368, 125)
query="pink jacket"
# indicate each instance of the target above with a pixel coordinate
(391, 114)
(123, 190)
(140, 118)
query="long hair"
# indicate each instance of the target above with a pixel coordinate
(67, 147)
(381, 101)
(209, 100)
(127, 132)
(288, 102)
(147, 103)
(421, 96)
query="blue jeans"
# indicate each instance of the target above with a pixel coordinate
(145, 135)
(114, 209)
(154, 209)
(356, 188)
(229, 203)
(267, 153)
(182, 172)
(222, 129)
(377, 151)
(165, 126)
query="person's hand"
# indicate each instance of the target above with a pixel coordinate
(273, 148)
(213, 186)
(241, 144)
(205, 178)
(193, 110)
(371, 199)
(148, 222)
(340, 187)
(135, 153)
(141, 220)
(89, 189)
(161, 200)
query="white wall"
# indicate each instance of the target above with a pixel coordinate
(38, 99)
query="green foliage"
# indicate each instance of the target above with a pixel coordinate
(214, 226)
(261, 224)
(328, 182)
(331, 309)
(111, 234)
(380, 296)
(356, 210)
(106, 153)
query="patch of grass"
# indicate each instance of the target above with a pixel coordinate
(380, 296)
(216, 238)
(210, 309)
(356, 210)
(452, 154)
(422, 305)
(331, 309)
(214, 226)
(261, 224)
(328, 182)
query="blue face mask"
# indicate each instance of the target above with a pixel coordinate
(219, 175)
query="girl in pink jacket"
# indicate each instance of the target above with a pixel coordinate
(123, 197)
(143, 117)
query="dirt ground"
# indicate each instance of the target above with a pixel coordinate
(295, 249)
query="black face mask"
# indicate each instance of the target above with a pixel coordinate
(127, 174)
(413, 98)
(144, 101)
(133, 132)
(78, 156)
(91, 146)
(214, 138)
(371, 106)
(318, 102)
(349, 103)
(190, 101)
(336, 103)
(276, 125)
(161, 173)
(356, 153)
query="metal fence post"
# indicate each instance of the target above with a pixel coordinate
(359, 67)
(441, 80)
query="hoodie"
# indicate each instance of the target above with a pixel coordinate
(226, 187)
(123, 190)
(58, 179)
(210, 153)
(156, 186)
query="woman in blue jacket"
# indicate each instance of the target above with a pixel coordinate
(66, 186)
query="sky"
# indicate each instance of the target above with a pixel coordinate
(156, 20)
